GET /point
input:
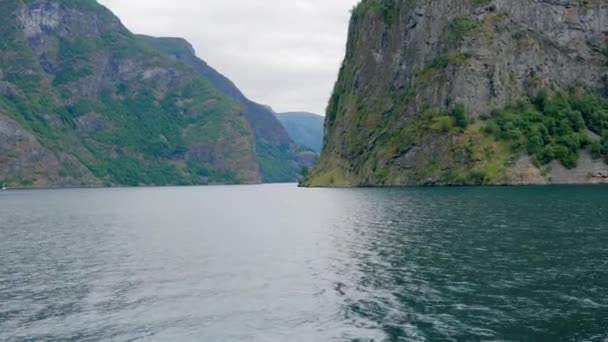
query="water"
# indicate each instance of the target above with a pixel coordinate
(277, 263)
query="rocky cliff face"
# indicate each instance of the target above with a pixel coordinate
(22, 154)
(84, 102)
(468, 92)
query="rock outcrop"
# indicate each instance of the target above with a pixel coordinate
(461, 91)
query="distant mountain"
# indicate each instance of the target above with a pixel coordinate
(84, 102)
(304, 128)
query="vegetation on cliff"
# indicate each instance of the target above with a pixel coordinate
(555, 127)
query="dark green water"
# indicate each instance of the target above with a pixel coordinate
(278, 263)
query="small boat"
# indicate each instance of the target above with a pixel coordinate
(3, 187)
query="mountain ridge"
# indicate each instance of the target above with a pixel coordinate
(273, 144)
(84, 102)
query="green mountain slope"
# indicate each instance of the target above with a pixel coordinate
(469, 92)
(84, 102)
(276, 153)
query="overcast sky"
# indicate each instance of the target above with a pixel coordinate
(283, 53)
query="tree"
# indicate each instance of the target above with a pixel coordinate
(596, 150)
(459, 115)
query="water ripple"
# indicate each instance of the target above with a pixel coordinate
(277, 263)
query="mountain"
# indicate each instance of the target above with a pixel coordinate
(306, 129)
(276, 152)
(84, 102)
(469, 92)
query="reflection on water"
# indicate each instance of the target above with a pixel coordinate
(277, 263)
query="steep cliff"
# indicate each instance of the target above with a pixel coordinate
(470, 92)
(84, 102)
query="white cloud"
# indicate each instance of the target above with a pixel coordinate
(284, 53)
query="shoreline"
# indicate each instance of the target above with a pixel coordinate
(141, 187)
